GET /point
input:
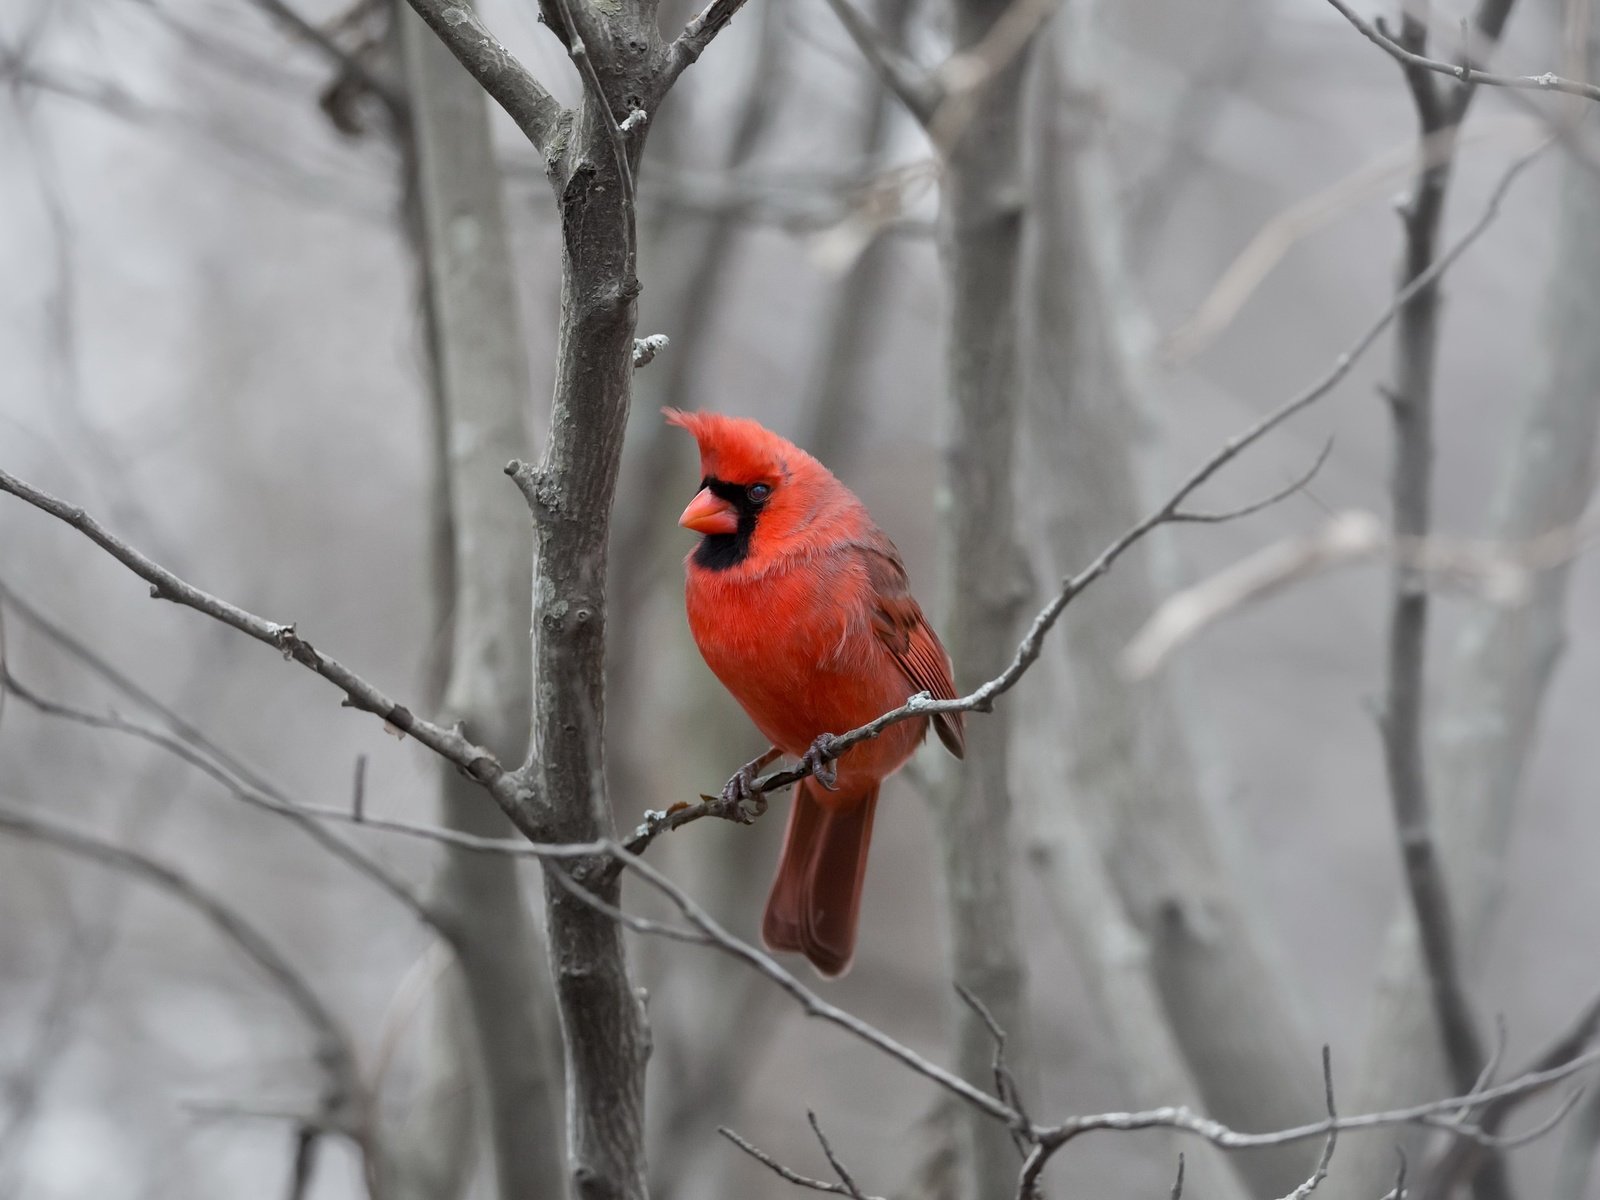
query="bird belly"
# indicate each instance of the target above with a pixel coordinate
(801, 666)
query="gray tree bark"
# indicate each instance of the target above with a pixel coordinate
(980, 238)
(560, 794)
(495, 1030)
(602, 1018)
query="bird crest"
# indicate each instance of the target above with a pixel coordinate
(737, 449)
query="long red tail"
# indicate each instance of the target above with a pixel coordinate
(816, 896)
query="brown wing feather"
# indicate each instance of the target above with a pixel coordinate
(898, 621)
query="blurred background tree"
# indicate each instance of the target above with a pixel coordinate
(283, 295)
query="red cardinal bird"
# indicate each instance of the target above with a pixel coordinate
(800, 605)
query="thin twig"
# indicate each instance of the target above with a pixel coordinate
(1278, 497)
(1044, 1140)
(349, 64)
(253, 794)
(1273, 241)
(1321, 1171)
(917, 88)
(1501, 573)
(1005, 1083)
(1437, 1114)
(783, 1172)
(1464, 72)
(1457, 1159)
(833, 1159)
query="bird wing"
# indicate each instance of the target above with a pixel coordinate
(898, 621)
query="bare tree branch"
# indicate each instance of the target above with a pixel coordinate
(1451, 1115)
(1298, 484)
(689, 45)
(570, 497)
(1502, 574)
(1463, 72)
(1435, 1114)
(269, 800)
(164, 585)
(1005, 1083)
(1446, 1115)
(833, 1159)
(350, 65)
(917, 88)
(1458, 1159)
(1321, 1171)
(1310, 214)
(784, 1173)
(537, 113)
(1411, 404)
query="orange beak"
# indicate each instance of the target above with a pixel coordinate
(710, 513)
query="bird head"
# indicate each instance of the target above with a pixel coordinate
(751, 479)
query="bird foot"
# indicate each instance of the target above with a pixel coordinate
(739, 795)
(823, 765)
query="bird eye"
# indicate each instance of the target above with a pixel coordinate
(758, 491)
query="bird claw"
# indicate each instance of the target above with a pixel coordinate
(743, 802)
(824, 768)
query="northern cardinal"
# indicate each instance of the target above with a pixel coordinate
(800, 606)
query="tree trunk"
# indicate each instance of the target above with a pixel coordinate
(1502, 663)
(1133, 776)
(980, 237)
(602, 1018)
(480, 390)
